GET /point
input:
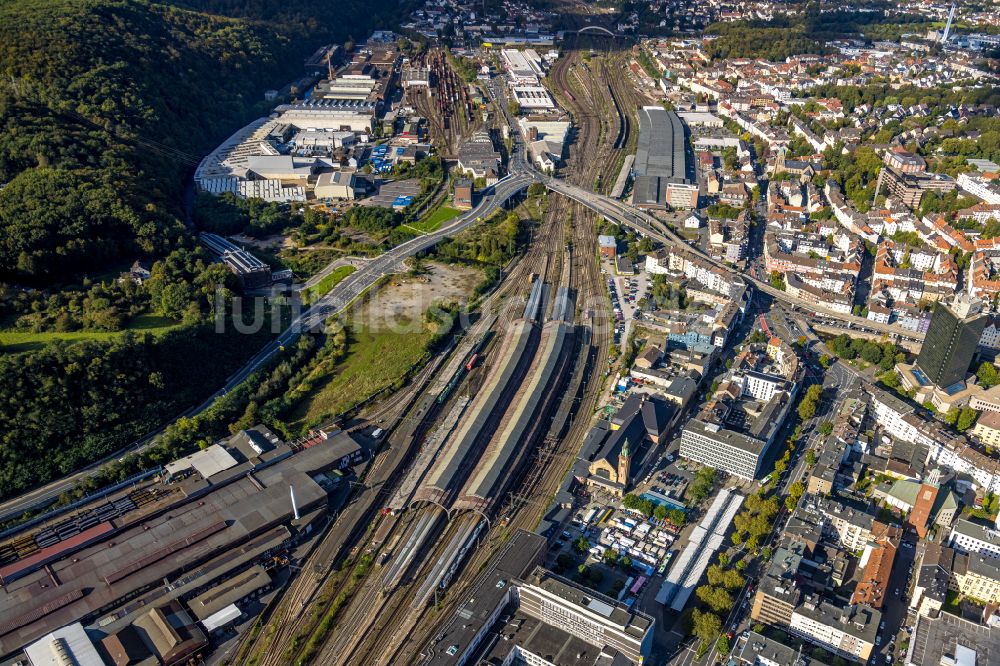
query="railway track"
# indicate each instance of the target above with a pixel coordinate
(602, 105)
(388, 624)
(394, 616)
(413, 626)
(370, 601)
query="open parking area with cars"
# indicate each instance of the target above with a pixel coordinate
(625, 293)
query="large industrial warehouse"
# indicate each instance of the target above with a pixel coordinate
(662, 168)
(196, 539)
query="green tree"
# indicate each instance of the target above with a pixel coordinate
(966, 419)
(807, 409)
(987, 375)
(951, 416)
(706, 626)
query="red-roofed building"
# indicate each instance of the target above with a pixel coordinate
(877, 562)
(920, 516)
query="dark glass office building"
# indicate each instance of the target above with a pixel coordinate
(951, 342)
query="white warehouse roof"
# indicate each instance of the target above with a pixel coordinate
(68, 645)
(221, 618)
(208, 462)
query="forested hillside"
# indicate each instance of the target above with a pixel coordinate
(105, 108)
(104, 104)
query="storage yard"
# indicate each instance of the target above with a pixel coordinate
(445, 102)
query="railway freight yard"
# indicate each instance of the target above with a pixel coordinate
(483, 443)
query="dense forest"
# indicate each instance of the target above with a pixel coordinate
(105, 108)
(67, 405)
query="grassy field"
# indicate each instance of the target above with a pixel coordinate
(327, 283)
(13, 341)
(434, 221)
(375, 359)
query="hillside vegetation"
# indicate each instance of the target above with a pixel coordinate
(105, 108)
(106, 104)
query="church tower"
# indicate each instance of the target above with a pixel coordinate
(624, 463)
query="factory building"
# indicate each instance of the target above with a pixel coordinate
(532, 97)
(523, 67)
(170, 553)
(478, 157)
(251, 271)
(345, 115)
(337, 185)
(285, 168)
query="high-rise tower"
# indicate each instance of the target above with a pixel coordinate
(951, 340)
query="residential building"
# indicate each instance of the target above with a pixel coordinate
(980, 187)
(608, 247)
(849, 631)
(930, 592)
(977, 577)
(758, 650)
(778, 592)
(987, 428)
(971, 538)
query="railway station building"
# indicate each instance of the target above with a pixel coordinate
(520, 612)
